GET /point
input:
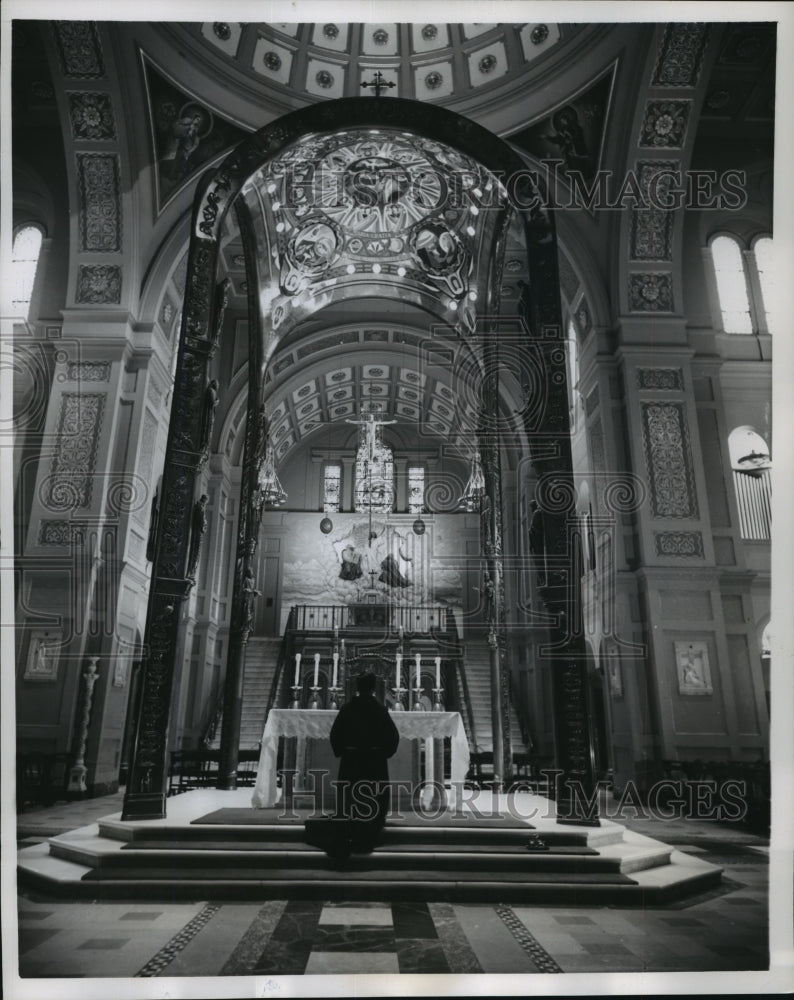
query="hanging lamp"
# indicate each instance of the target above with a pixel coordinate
(269, 491)
(475, 487)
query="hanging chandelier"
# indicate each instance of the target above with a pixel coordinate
(269, 491)
(475, 487)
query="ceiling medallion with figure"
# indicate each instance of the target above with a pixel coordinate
(379, 202)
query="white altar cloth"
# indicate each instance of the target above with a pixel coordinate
(316, 724)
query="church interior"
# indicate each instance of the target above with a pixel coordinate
(436, 351)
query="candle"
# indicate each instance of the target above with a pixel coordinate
(418, 664)
(297, 669)
(316, 669)
(336, 664)
(399, 659)
(336, 631)
(438, 671)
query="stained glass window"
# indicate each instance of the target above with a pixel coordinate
(731, 285)
(24, 261)
(416, 489)
(332, 488)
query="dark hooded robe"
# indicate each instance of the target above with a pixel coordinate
(364, 736)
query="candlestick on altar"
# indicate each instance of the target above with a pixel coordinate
(418, 670)
(315, 702)
(297, 668)
(438, 671)
(296, 696)
(336, 667)
(316, 669)
(398, 659)
(438, 705)
(336, 632)
(418, 699)
(333, 695)
(398, 698)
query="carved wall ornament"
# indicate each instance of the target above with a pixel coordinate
(680, 55)
(79, 49)
(651, 292)
(43, 653)
(664, 124)
(91, 116)
(686, 544)
(669, 460)
(71, 477)
(660, 378)
(100, 202)
(652, 227)
(693, 669)
(88, 371)
(61, 533)
(99, 284)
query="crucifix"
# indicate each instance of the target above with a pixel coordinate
(379, 83)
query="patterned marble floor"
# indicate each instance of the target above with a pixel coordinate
(722, 930)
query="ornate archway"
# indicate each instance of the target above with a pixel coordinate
(443, 192)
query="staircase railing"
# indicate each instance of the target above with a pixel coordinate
(275, 684)
(213, 716)
(464, 687)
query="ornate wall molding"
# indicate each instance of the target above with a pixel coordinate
(61, 533)
(651, 291)
(660, 378)
(669, 460)
(91, 116)
(79, 49)
(100, 202)
(687, 544)
(88, 371)
(652, 227)
(71, 476)
(664, 124)
(680, 55)
(99, 284)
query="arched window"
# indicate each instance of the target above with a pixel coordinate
(768, 279)
(332, 488)
(729, 272)
(24, 261)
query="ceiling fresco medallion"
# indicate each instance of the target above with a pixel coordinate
(379, 205)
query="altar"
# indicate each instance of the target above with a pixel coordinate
(308, 724)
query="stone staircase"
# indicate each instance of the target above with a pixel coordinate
(261, 657)
(213, 845)
(477, 664)
(260, 665)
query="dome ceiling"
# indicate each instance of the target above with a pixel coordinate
(433, 61)
(373, 212)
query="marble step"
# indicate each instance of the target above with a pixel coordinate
(682, 877)
(464, 863)
(426, 836)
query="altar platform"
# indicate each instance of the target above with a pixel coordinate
(490, 848)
